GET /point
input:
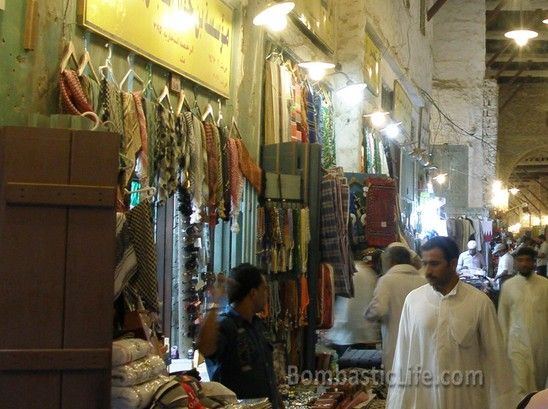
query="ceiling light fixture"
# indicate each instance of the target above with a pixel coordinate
(514, 190)
(522, 35)
(545, 21)
(316, 69)
(274, 16)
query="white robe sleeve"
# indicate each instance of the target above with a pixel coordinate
(496, 367)
(460, 262)
(397, 377)
(378, 308)
(504, 314)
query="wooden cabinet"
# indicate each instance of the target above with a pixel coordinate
(57, 244)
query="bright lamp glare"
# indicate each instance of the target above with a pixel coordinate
(179, 21)
(378, 119)
(521, 37)
(441, 178)
(316, 69)
(392, 130)
(352, 94)
(277, 24)
(514, 191)
(274, 17)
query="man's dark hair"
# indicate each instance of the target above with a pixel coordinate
(526, 251)
(447, 245)
(398, 255)
(242, 280)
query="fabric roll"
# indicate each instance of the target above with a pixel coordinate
(139, 371)
(137, 396)
(128, 350)
(145, 282)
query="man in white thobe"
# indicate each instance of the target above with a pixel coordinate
(449, 353)
(390, 292)
(349, 328)
(523, 316)
(471, 259)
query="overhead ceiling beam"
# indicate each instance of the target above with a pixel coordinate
(499, 52)
(492, 14)
(517, 5)
(505, 65)
(434, 9)
(517, 74)
(529, 201)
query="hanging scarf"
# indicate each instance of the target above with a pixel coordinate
(131, 138)
(143, 153)
(167, 151)
(72, 97)
(213, 171)
(236, 183)
(249, 168)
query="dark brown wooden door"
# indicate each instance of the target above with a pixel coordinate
(57, 241)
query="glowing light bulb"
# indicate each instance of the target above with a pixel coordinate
(392, 130)
(378, 119)
(277, 24)
(514, 191)
(316, 69)
(274, 16)
(441, 178)
(521, 37)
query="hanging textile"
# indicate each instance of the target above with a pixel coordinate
(285, 103)
(326, 296)
(223, 132)
(126, 261)
(92, 89)
(236, 183)
(72, 96)
(142, 156)
(380, 221)
(141, 229)
(131, 138)
(335, 244)
(252, 172)
(328, 137)
(272, 103)
(212, 144)
(311, 114)
(167, 153)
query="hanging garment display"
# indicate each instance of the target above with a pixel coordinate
(72, 96)
(335, 244)
(142, 158)
(141, 230)
(326, 296)
(380, 222)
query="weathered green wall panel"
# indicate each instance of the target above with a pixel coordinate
(29, 82)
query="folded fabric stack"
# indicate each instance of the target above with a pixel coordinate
(136, 374)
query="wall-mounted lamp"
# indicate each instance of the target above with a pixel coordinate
(392, 130)
(274, 16)
(441, 178)
(316, 69)
(377, 118)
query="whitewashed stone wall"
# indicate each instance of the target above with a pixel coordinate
(460, 91)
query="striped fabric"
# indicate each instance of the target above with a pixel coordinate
(126, 261)
(143, 153)
(334, 233)
(236, 183)
(141, 231)
(72, 97)
(150, 116)
(213, 171)
(131, 138)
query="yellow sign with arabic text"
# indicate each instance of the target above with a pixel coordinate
(190, 37)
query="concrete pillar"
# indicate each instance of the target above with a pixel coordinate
(461, 93)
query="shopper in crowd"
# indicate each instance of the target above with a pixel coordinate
(234, 343)
(542, 257)
(505, 267)
(523, 316)
(450, 352)
(415, 259)
(470, 259)
(349, 329)
(390, 292)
